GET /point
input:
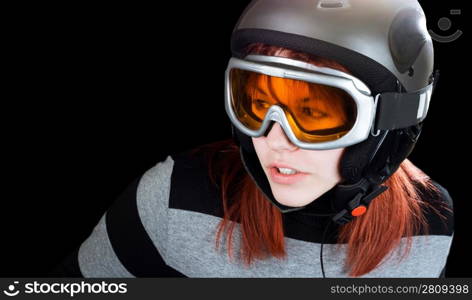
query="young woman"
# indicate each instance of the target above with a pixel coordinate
(326, 101)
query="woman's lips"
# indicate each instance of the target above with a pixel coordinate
(277, 177)
(281, 165)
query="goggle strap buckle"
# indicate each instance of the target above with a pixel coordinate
(361, 198)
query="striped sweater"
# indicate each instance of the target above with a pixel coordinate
(164, 225)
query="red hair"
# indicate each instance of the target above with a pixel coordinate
(396, 213)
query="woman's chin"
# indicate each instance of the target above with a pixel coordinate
(290, 200)
(296, 198)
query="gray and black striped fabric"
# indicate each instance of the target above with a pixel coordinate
(164, 225)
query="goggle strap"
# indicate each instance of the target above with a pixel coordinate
(402, 110)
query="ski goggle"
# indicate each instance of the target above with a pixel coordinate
(317, 107)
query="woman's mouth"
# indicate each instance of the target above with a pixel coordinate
(285, 175)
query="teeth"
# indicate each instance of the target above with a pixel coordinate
(287, 171)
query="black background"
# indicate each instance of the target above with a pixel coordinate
(99, 94)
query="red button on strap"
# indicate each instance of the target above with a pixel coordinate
(360, 210)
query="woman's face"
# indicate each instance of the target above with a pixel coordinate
(318, 170)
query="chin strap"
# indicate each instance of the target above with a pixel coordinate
(361, 194)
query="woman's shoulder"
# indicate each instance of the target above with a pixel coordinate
(184, 175)
(185, 164)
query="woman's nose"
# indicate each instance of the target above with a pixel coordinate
(277, 140)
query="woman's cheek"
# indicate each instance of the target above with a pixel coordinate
(326, 165)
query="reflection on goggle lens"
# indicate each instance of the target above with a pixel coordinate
(315, 112)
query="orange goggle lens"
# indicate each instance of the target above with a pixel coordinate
(315, 112)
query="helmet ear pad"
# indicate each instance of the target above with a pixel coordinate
(380, 156)
(357, 157)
